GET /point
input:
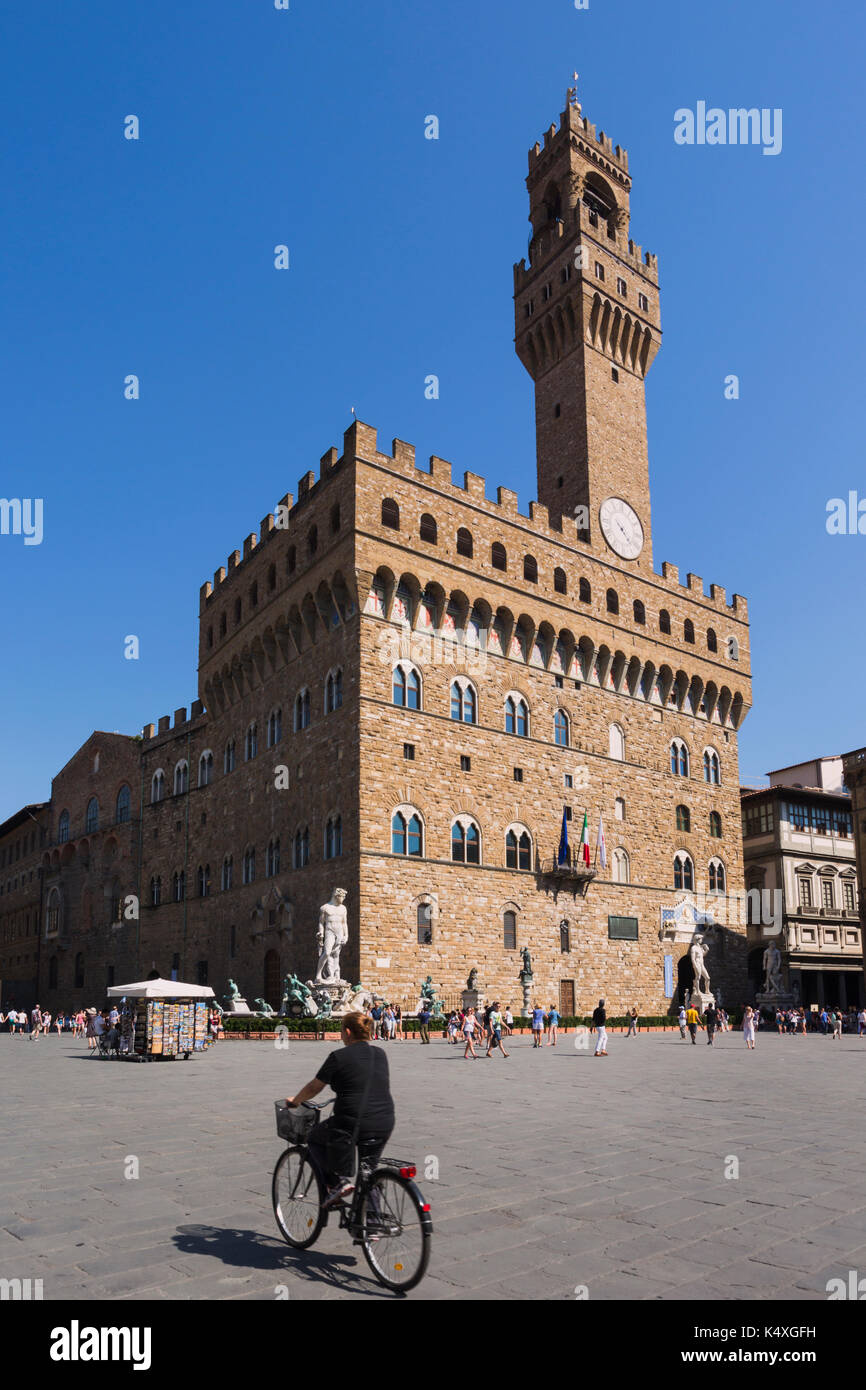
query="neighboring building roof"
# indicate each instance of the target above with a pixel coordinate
(780, 789)
(26, 813)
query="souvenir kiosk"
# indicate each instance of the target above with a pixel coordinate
(162, 1018)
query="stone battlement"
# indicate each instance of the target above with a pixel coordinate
(600, 146)
(361, 441)
(166, 725)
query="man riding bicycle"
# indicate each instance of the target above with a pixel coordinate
(363, 1111)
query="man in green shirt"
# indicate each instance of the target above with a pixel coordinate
(494, 1037)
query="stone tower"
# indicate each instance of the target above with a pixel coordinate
(587, 329)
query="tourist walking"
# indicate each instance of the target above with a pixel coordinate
(376, 1016)
(35, 1022)
(712, 1020)
(537, 1025)
(46, 1024)
(398, 1024)
(861, 1023)
(424, 1019)
(632, 1024)
(509, 1020)
(836, 1020)
(682, 1020)
(599, 1023)
(693, 1023)
(749, 1027)
(495, 1038)
(470, 1023)
(552, 1026)
(453, 1026)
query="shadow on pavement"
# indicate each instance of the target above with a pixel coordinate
(252, 1250)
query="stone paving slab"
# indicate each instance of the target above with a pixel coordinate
(552, 1173)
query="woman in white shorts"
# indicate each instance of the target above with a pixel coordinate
(470, 1023)
(749, 1027)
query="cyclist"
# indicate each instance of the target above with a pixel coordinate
(350, 1071)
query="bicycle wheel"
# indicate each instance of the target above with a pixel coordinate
(396, 1230)
(297, 1195)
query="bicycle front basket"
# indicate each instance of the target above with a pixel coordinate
(295, 1122)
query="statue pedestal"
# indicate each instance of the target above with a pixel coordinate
(776, 1000)
(339, 992)
(472, 999)
(700, 1001)
(236, 1007)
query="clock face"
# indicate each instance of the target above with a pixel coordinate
(621, 526)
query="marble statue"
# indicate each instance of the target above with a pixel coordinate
(772, 963)
(697, 955)
(331, 937)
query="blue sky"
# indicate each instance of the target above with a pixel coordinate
(306, 127)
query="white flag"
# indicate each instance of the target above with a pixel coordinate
(599, 844)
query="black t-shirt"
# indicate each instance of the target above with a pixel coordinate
(599, 1018)
(346, 1071)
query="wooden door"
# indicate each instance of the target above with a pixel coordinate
(566, 998)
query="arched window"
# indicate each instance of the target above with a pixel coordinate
(52, 916)
(518, 849)
(203, 880)
(181, 777)
(679, 758)
(406, 686)
(716, 876)
(228, 873)
(712, 641)
(205, 768)
(92, 820)
(465, 841)
(178, 886)
(313, 540)
(275, 726)
(63, 828)
(248, 865)
(715, 825)
(79, 971)
(333, 837)
(684, 818)
(712, 768)
(564, 937)
(560, 728)
(665, 621)
(509, 931)
(516, 716)
(155, 891)
(639, 612)
(122, 807)
(229, 756)
(464, 543)
(530, 569)
(619, 866)
(619, 808)
(424, 921)
(684, 872)
(560, 582)
(498, 557)
(585, 591)
(688, 630)
(616, 742)
(406, 834)
(333, 691)
(464, 702)
(157, 786)
(302, 710)
(272, 858)
(390, 514)
(612, 601)
(251, 743)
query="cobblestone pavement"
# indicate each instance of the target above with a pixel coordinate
(556, 1170)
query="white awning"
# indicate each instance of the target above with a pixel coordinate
(160, 989)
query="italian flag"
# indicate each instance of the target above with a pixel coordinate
(583, 847)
